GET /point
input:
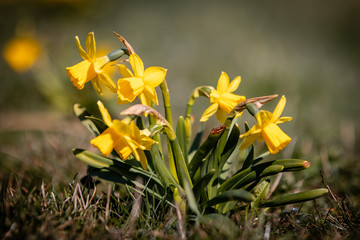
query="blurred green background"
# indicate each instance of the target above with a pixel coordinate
(308, 51)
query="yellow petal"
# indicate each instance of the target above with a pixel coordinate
(275, 138)
(283, 119)
(105, 78)
(154, 76)
(82, 52)
(100, 63)
(104, 142)
(234, 84)
(97, 85)
(256, 129)
(263, 118)
(123, 150)
(150, 93)
(81, 73)
(105, 114)
(221, 115)
(144, 100)
(248, 141)
(143, 159)
(137, 65)
(279, 108)
(125, 71)
(209, 112)
(91, 46)
(228, 101)
(129, 88)
(223, 83)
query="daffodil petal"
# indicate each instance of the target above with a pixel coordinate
(252, 131)
(234, 84)
(91, 46)
(209, 112)
(143, 159)
(105, 78)
(81, 73)
(283, 119)
(263, 117)
(82, 52)
(279, 108)
(223, 83)
(129, 88)
(221, 115)
(275, 138)
(154, 76)
(150, 93)
(248, 141)
(96, 84)
(144, 100)
(104, 142)
(125, 71)
(228, 101)
(105, 114)
(137, 65)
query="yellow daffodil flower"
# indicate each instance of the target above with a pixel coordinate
(124, 137)
(267, 128)
(222, 99)
(91, 68)
(21, 53)
(141, 83)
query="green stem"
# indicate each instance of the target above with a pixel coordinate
(166, 98)
(170, 132)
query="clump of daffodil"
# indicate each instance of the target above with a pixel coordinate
(21, 53)
(141, 83)
(267, 129)
(91, 68)
(222, 99)
(123, 136)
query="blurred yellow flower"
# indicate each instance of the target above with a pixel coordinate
(91, 68)
(222, 99)
(141, 83)
(124, 137)
(21, 53)
(267, 128)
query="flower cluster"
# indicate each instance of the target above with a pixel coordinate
(142, 82)
(190, 170)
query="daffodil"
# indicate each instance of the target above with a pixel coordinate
(21, 53)
(222, 99)
(124, 137)
(91, 68)
(267, 129)
(141, 83)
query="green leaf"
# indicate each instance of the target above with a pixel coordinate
(202, 183)
(197, 140)
(84, 115)
(160, 168)
(109, 168)
(181, 137)
(260, 191)
(231, 143)
(191, 198)
(249, 175)
(296, 197)
(204, 150)
(125, 170)
(232, 195)
(249, 157)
